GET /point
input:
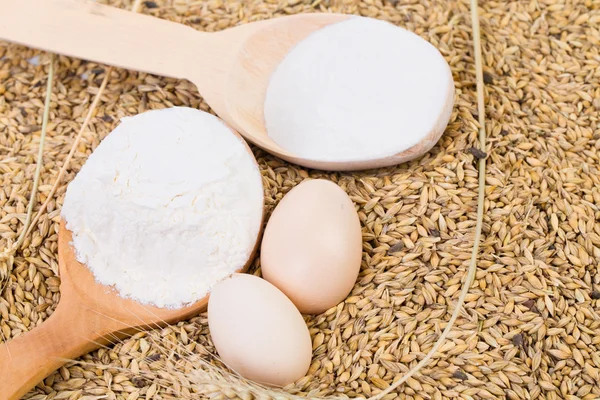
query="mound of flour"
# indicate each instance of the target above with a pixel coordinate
(356, 90)
(168, 204)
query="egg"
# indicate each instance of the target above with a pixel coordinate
(312, 246)
(257, 331)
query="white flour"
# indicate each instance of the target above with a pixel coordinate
(168, 204)
(355, 90)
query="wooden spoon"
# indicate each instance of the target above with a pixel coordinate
(231, 68)
(88, 316)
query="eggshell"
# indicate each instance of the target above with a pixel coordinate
(257, 331)
(312, 246)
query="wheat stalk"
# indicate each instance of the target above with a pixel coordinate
(8, 253)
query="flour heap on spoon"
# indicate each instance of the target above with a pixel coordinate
(356, 90)
(167, 205)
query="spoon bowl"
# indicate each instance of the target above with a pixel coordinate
(231, 68)
(264, 46)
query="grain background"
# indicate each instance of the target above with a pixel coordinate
(531, 325)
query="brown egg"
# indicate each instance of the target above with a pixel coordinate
(257, 331)
(312, 246)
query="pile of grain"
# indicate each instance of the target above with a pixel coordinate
(531, 328)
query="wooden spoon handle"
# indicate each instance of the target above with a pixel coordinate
(28, 359)
(87, 30)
